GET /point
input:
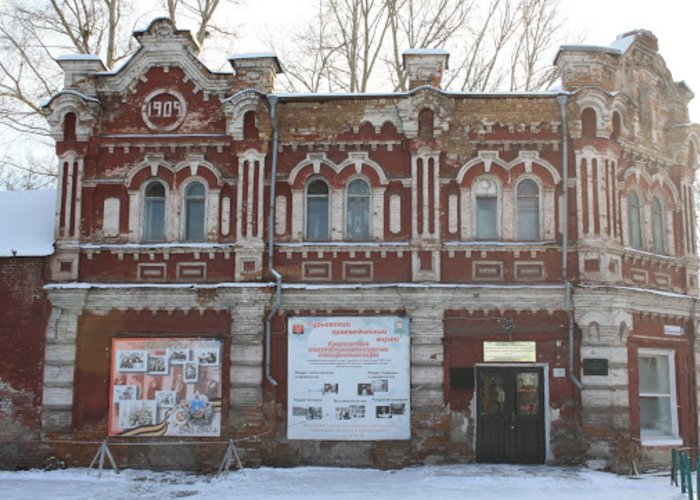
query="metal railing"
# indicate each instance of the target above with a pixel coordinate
(682, 465)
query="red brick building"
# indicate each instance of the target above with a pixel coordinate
(25, 246)
(528, 258)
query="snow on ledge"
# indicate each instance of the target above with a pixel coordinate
(82, 285)
(661, 293)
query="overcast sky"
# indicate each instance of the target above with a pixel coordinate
(676, 23)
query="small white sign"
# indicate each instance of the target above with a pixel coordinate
(558, 372)
(500, 352)
(676, 331)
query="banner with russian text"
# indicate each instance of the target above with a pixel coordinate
(349, 378)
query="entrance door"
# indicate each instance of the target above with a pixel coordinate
(510, 415)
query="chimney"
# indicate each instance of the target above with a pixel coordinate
(79, 72)
(425, 67)
(258, 71)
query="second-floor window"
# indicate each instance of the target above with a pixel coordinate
(317, 211)
(357, 211)
(194, 211)
(154, 213)
(528, 210)
(486, 211)
(657, 226)
(634, 221)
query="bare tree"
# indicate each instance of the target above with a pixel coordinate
(422, 24)
(494, 43)
(35, 171)
(310, 56)
(201, 12)
(540, 24)
(483, 43)
(33, 33)
(360, 30)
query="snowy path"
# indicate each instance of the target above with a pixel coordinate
(429, 482)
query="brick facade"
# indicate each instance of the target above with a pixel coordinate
(23, 321)
(480, 217)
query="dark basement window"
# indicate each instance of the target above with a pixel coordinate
(462, 379)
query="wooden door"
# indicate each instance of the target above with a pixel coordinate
(510, 415)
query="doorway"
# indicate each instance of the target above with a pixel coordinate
(510, 414)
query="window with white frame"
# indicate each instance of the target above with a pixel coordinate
(657, 226)
(195, 197)
(357, 213)
(528, 210)
(154, 212)
(486, 209)
(317, 211)
(658, 417)
(634, 221)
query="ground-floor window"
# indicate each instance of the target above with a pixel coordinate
(658, 416)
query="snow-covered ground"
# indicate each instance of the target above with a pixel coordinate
(427, 482)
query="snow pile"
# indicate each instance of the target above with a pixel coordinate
(480, 481)
(27, 223)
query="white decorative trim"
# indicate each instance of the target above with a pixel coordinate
(489, 158)
(353, 160)
(395, 213)
(111, 208)
(280, 215)
(226, 216)
(452, 213)
(148, 105)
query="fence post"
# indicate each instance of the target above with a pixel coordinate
(674, 470)
(690, 478)
(682, 461)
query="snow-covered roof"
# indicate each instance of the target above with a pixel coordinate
(27, 223)
(426, 52)
(253, 55)
(623, 42)
(616, 48)
(80, 95)
(79, 57)
(365, 95)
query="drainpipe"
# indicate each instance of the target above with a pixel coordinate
(562, 99)
(272, 99)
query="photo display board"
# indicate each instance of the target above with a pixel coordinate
(165, 387)
(349, 378)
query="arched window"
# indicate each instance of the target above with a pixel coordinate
(425, 124)
(528, 210)
(250, 129)
(195, 196)
(588, 123)
(616, 126)
(486, 210)
(357, 211)
(317, 210)
(69, 127)
(634, 221)
(154, 212)
(657, 226)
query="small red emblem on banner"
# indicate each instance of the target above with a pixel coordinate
(297, 329)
